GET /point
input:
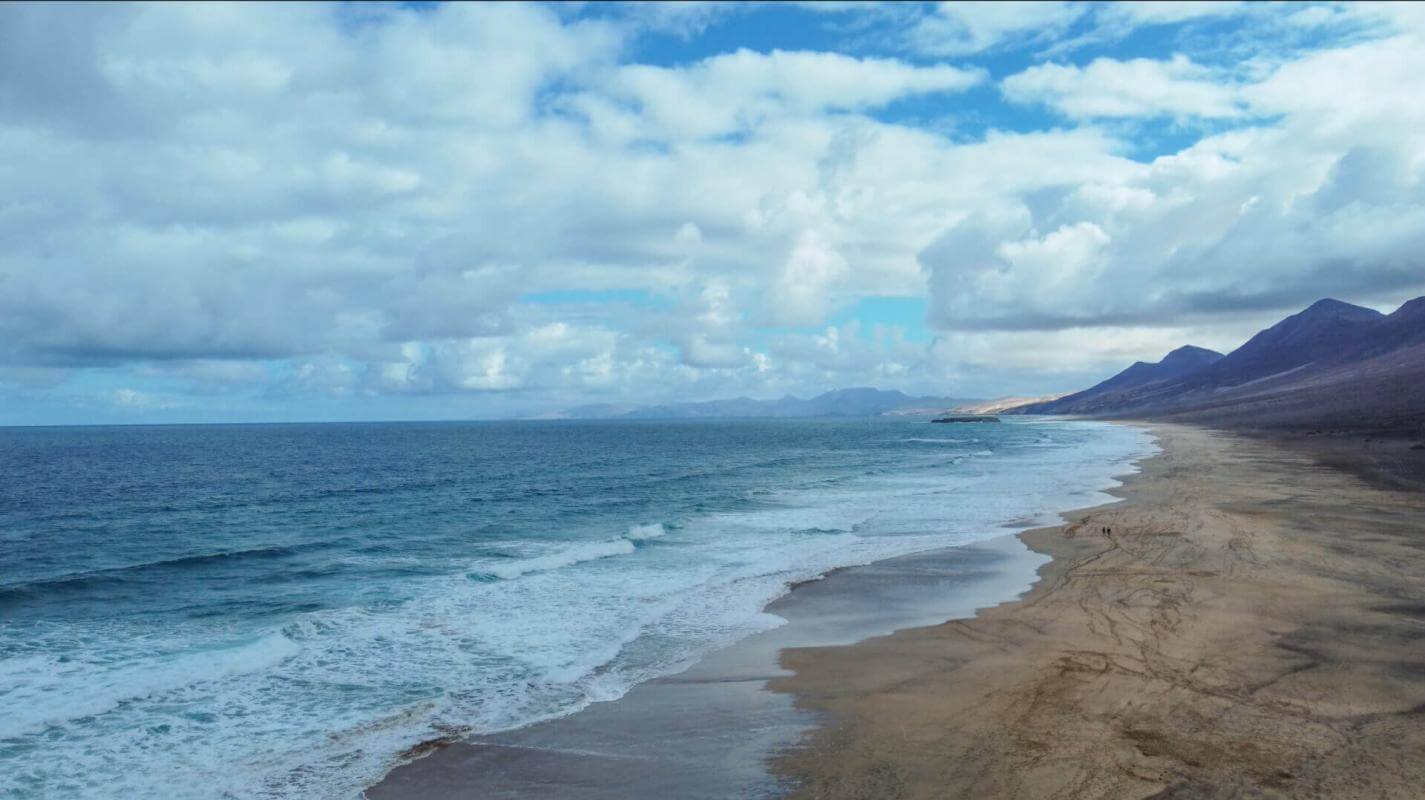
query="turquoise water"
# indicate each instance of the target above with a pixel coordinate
(283, 609)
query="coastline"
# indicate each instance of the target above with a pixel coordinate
(715, 729)
(711, 731)
(1250, 627)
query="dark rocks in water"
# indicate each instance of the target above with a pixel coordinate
(974, 418)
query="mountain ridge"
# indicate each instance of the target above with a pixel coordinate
(1333, 363)
(851, 402)
(1105, 394)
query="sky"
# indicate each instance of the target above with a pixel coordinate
(422, 211)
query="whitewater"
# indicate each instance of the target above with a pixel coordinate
(286, 609)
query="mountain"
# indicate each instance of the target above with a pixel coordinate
(859, 402)
(1327, 332)
(1129, 383)
(1331, 365)
(593, 411)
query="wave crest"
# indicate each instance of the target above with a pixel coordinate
(639, 533)
(578, 554)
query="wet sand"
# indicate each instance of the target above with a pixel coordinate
(710, 731)
(1253, 626)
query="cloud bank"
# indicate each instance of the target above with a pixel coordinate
(317, 211)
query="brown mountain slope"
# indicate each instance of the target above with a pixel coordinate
(1331, 366)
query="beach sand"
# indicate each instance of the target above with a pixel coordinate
(708, 732)
(1253, 626)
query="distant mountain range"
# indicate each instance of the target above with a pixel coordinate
(1331, 365)
(859, 402)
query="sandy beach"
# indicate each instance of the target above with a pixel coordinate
(1250, 626)
(1245, 622)
(709, 732)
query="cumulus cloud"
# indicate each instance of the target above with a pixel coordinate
(737, 91)
(1326, 199)
(329, 201)
(1168, 11)
(963, 27)
(1139, 87)
(802, 293)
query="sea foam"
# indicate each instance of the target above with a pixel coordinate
(564, 557)
(589, 599)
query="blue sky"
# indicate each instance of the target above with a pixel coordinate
(428, 211)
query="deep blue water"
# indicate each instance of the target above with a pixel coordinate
(285, 608)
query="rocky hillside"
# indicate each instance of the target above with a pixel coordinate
(1333, 365)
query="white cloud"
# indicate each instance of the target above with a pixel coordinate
(1063, 357)
(1165, 12)
(1138, 88)
(1327, 199)
(359, 202)
(738, 91)
(1063, 261)
(836, 355)
(802, 293)
(965, 27)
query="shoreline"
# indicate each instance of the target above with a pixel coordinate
(688, 719)
(712, 730)
(1251, 627)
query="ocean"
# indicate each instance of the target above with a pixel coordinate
(279, 611)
